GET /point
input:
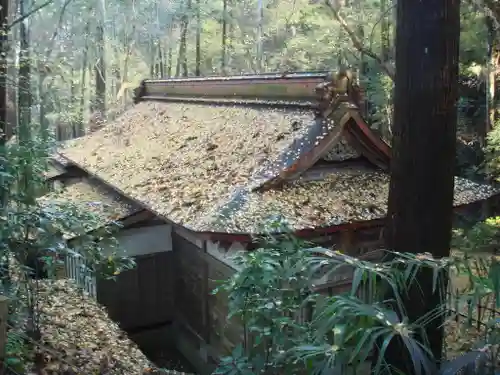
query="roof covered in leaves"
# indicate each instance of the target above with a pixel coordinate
(93, 199)
(232, 168)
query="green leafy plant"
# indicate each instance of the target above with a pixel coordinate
(34, 235)
(292, 328)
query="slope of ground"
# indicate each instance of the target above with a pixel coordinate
(78, 337)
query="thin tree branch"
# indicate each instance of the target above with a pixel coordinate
(30, 13)
(58, 27)
(388, 69)
(382, 16)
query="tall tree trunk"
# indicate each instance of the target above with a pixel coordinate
(224, 38)
(46, 104)
(125, 74)
(169, 64)
(24, 83)
(83, 83)
(169, 58)
(73, 103)
(198, 39)
(260, 21)
(230, 34)
(384, 31)
(493, 66)
(5, 132)
(100, 66)
(161, 61)
(423, 149)
(152, 54)
(182, 60)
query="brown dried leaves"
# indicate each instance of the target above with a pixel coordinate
(93, 199)
(181, 159)
(78, 336)
(186, 160)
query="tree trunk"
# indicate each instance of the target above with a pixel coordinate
(81, 107)
(125, 75)
(198, 39)
(230, 34)
(4, 48)
(73, 102)
(169, 64)
(24, 79)
(5, 130)
(161, 61)
(152, 58)
(423, 149)
(182, 59)
(384, 31)
(260, 21)
(224, 38)
(493, 65)
(100, 67)
(184, 40)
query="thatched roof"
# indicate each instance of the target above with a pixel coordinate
(227, 168)
(94, 199)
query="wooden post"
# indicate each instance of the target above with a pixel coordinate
(4, 315)
(206, 295)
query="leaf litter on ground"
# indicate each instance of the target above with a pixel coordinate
(79, 338)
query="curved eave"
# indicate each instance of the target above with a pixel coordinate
(354, 128)
(307, 233)
(248, 237)
(374, 139)
(301, 233)
(366, 142)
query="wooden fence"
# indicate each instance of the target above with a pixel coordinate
(76, 270)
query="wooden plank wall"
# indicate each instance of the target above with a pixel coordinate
(203, 316)
(143, 296)
(190, 285)
(197, 272)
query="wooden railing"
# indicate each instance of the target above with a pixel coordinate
(75, 269)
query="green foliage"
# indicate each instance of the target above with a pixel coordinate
(266, 294)
(34, 234)
(292, 328)
(493, 152)
(17, 352)
(482, 237)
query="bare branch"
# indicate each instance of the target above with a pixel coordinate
(357, 43)
(58, 27)
(380, 19)
(29, 14)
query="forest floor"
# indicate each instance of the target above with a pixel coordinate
(78, 337)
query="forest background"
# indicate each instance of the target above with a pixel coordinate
(74, 63)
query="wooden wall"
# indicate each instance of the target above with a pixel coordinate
(190, 285)
(202, 317)
(141, 297)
